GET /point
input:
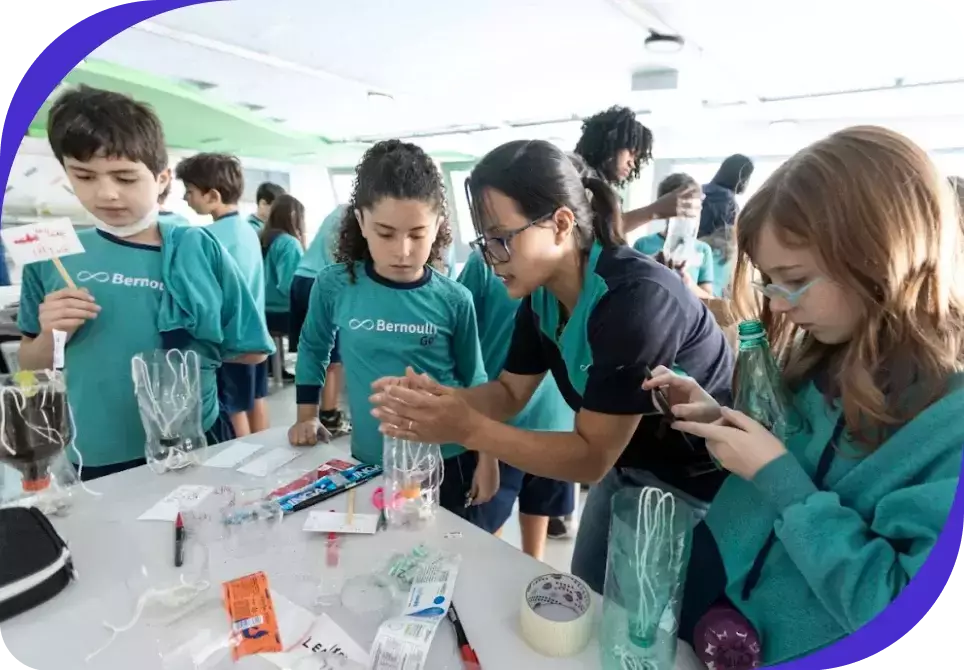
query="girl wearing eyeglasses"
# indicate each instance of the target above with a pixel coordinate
(596, 315)
(862, 294)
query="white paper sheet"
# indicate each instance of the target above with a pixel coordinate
(179, 500)
(325, 641)
(233, 455)
(267, 463)
(337, 522)
(294, 622)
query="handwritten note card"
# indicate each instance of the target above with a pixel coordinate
(337, 522)
(41, 241)
(326, 647)
(179, 500)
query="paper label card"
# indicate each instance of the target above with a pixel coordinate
(337, 522)
(325, 644)
(181, 499)
(42, 241)
(234, 455)
(269, 462)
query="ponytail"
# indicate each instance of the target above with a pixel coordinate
(607, 223)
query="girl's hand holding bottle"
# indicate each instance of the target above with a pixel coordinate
(738, 443)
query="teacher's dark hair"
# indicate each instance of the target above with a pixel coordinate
(541, 178)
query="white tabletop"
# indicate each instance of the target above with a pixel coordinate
(117, 557)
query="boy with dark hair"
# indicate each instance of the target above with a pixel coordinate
(213, 186)
(266, 195)
(165, 215)
(144, 285)
(615, 147)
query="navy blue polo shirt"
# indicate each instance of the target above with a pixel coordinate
(632, 312)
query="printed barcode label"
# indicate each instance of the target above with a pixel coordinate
(245, 624)
(389, 654)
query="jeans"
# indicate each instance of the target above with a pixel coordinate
(592, 540)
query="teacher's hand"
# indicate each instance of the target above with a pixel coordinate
(430, 413)
(737, 442)
(410, 380)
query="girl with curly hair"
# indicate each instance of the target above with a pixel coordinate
(391, 309)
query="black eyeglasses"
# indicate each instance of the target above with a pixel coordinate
(495, 250)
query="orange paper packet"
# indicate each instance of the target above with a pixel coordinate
(254, 625)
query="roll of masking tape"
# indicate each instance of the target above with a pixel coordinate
(556, 615)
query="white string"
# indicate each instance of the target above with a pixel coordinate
(176, 596)
(182, 375)
(80, 457)
(655, 522)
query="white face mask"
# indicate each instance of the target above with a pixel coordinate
(133, 229)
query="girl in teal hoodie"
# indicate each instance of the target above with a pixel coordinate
(858, 246)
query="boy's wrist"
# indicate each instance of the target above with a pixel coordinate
(307, 413)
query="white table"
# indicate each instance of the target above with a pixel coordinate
(112, 551)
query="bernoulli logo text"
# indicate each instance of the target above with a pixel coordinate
(382, 326)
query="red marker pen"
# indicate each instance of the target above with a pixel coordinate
(470, 660)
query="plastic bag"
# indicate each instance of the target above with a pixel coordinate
(168, 388)
(35, 429)
(413, 480)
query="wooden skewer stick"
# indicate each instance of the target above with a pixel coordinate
(351, 507)
(63, 273)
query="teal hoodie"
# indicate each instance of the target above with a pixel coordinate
(842, 554)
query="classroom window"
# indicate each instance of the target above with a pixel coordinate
(342, 183)
(254, 178)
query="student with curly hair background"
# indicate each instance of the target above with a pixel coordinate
(391, 309)
(616, 146)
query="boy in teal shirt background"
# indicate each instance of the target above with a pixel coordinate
(213, 186)
(698, 272)
(319, 255)
(113, 151)
(539, 497)
(266, 195)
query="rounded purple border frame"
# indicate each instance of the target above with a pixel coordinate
(60, 57)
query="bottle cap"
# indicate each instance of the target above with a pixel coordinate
(34, 485)
(751, 330)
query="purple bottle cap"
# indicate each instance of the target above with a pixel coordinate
(725, 640)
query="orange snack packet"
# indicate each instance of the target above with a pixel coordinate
(254, 625)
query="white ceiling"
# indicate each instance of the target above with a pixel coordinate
(493, 62)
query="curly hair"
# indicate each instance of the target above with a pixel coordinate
(399, 170)
(606, 133)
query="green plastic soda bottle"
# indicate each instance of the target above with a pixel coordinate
(759, 388)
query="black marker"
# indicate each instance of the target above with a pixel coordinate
(178, 541)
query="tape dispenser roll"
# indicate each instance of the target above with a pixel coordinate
(557, 614)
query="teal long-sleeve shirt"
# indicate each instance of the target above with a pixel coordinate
(280, 264)
(843, 552)
(382, 327)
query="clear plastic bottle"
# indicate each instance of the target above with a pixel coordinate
(413, 479)
(759, 388)
(168, 388)
(35, 431)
